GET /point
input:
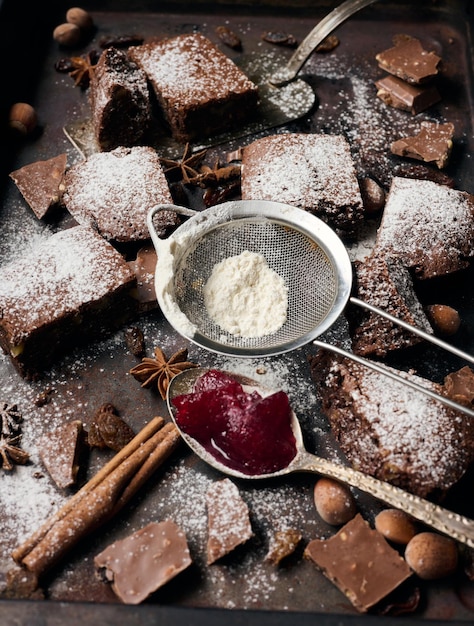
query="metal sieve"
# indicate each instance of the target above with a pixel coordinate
(298, 246)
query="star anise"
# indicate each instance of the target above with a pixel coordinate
(161, 370)
(10, 452)
(10, 419)
(185, 168)
(79, 68)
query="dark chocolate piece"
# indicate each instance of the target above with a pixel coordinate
(459, 386)
(228, 520)
(144, 267)
(409, 61)
(360, 562)
(432, 144)
(402, 95)
(60, 451)
(41, 183)
(143, 562)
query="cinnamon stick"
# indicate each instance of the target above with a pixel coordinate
(101, 498)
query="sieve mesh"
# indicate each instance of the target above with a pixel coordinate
(308, 272)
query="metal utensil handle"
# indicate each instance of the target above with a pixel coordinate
(451, 524)
(157, 241)
(315, 37)
(416, 331)
(386, 372)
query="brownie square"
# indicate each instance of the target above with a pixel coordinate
(69, 288)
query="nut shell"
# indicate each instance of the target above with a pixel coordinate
(334, 502)
(432, 556)
(395, 525)
(79, 17)
(22, 118)
(67, 35)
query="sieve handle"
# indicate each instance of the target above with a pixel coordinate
(416, 331)
(159, 242)
(405, 381)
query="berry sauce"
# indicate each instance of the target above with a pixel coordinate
(242, 430)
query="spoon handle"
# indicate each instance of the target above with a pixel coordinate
(451, 524)
(324, 28)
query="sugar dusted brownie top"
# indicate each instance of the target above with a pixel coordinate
(69, 271)
(113, 191)
(428, 226)
(189, 69)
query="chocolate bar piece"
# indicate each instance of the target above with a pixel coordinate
(409, 61)
(360, 562)
(228, 520)
(143, 562)
(41, 183)
(60, 451)
(402, 95)
(433, 144)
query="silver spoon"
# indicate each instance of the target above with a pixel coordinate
(447, 522)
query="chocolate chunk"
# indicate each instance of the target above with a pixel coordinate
(409, 61)
(60, 451)
(360, 562)
(459, 386)
(283, 545)
(144, 561)
(432, 144)
(401, 95)
(144, 268)
(40, 183)
(228, 520)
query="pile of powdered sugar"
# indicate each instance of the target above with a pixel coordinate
(245, 297)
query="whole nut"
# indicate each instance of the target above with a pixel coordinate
(334, 501)
(395, 525)
(432, 556)
(22, 118)
(80, 18)
(68, 35)
(373, 195)
(444, 318)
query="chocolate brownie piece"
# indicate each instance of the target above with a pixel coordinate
(120, 101)
(314, 172)
(69, 288)
(113, 192)
(427, 226)
(41, 183)
(199, 89)
(386, 284)
(390, 431)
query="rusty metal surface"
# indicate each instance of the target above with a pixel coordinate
(98, 373)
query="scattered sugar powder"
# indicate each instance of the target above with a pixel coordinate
(245, 297)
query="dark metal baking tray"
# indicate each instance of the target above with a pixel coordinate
(244, 588)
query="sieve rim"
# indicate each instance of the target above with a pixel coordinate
(170, 251)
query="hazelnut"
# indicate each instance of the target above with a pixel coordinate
(67, 34)
(444, 318)
(395, 525)
(334, 501)
(22, 118)
(432, 556)
(373, 196)
(80, 18)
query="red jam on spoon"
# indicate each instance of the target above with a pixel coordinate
(244, 431)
